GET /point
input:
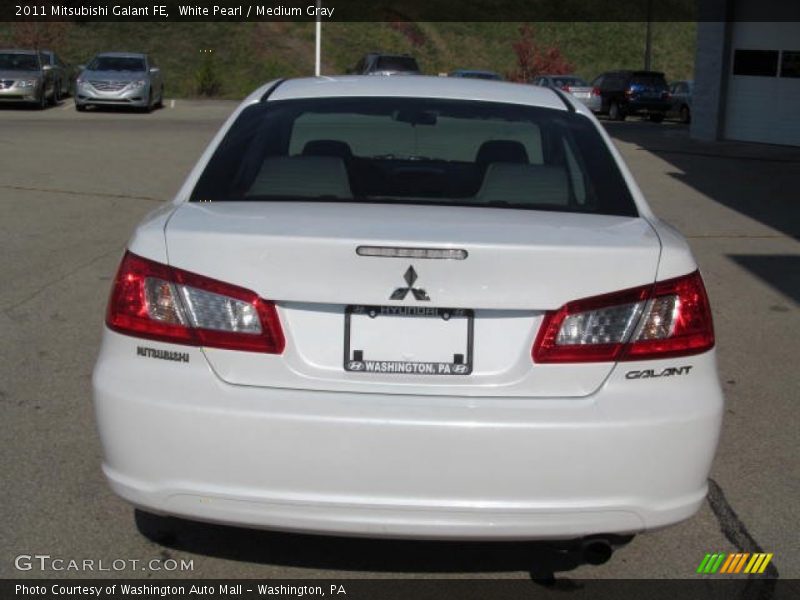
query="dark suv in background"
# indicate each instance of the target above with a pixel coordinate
(624, 93)
(376, 63)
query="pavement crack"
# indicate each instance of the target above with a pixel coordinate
(736, 531)
(22, 188)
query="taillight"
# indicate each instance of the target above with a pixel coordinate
(566, 88)
(669, 318)
(155, 301)
(595, 91)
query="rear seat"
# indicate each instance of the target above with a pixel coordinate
(304, 176)
(524, 184)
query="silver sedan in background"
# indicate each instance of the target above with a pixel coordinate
(573, 85)
(120, 79)
(25, 77)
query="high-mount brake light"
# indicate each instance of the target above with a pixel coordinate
(669, 318)
(155, 301)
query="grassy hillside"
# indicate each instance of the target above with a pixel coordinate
(247, 54)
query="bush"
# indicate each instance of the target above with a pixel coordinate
(207, 78)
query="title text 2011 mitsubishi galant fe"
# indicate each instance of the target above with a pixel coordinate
(429, 308)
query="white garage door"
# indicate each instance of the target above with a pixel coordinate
(763, 90)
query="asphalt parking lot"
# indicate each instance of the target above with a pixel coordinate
(73, 186)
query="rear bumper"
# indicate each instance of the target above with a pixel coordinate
(633, 456)
(644, 106)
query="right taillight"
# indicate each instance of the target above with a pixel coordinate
(155, 301)
(595, 91)
(668, 318)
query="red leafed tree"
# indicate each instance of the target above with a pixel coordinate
(534, 59)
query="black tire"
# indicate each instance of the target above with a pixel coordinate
(160, 102)
(686, 115)
(56, 98)
(80, 107)
(615, 113)
(155, 528)
(41, 103)
(656, 117)
(149, 106)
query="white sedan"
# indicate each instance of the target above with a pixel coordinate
(410, 307)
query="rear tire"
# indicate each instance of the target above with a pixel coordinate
(656, 117)
(155, 528)
(615, 112)
(686, 115)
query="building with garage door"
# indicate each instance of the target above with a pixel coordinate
(747, 76)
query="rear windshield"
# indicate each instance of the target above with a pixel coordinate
(117, 63)
(649, 80)
(569, 81)
(396, 63)
(415, 151)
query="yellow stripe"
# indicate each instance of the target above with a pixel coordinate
(741, 562)
(753, 564)
(729, 560)
(765, 563)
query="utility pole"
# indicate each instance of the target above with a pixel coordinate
(318, 57)
(648, 37)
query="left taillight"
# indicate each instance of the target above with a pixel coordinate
(667, 319)
(155, 301)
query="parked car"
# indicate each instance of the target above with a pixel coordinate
(624, 93)
(63, 72)
(681, 100)
(376, 63)
(120, 79)
(571, 84)
(397, 308)
(475, 74)
(26, 77)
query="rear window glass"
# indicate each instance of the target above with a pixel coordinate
(649, 80)
(416, 151)
(573, 81)
(396, 63)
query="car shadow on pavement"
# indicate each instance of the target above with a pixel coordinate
(540, 559)
(757, 180)
(781, 271)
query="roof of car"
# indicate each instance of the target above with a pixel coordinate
(123, 54)
(420, 86)
(18, 51)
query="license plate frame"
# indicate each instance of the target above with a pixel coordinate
(355, 364)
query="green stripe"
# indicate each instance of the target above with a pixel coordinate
(718, 564)
(703, 564)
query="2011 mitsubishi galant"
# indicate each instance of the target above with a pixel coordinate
(410, 307)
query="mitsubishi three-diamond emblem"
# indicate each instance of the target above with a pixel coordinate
(401, 292)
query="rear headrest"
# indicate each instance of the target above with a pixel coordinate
(327, 148)
(505, 151)
(305, 176)
(524, 184)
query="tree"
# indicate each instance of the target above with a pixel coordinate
(38, 35)
(534, 59)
